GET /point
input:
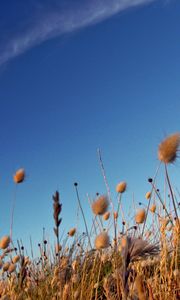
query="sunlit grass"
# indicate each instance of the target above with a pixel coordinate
(116, 258)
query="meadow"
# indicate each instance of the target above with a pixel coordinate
(115, 258)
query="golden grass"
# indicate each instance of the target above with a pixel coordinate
(135, 258)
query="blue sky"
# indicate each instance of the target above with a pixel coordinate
(75, 77)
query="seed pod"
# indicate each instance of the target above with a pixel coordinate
(100, 206)
(121, 187)
(6, 266)
(72, 232)
(167, 151)
(106, 216)
(19, 176)
(12, 268)
(102, 241)
(140, 216)
(153, 208)
(15, 259)
(148, 195)
(4, 242)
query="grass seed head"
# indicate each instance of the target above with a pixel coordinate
(106, 216)
(19, 176)
(15, 259)
(140, 216)
(148, 195)
(6, 266)
(4, 242)
(100, 206)
(121, 187)
(153, 208)
(167, 151)
(12, 268)
(72, 232)
(102, 241)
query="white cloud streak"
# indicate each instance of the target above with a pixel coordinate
(56, 23)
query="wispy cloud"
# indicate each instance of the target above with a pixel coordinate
(60, 20)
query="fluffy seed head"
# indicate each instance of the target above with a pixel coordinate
(100, 206)
(6, 266)
(167, 151)
(19, 176)
(153, 208)
(15, 259)
(121, 187)
(4, 242)
(106, 215)
(140, 216)
(12, 268)
(148, 195)
(72, 232)
(102, 241)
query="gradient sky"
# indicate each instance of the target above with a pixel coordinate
(78, 76)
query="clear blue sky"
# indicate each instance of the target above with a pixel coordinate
(75, 77)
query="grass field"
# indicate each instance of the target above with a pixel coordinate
(114, 258)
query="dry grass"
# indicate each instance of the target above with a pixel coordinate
(137, 258)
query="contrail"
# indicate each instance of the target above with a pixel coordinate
(61, 20)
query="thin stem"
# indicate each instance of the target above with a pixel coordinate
(157, 170)
(80, 206)
(172, 196)
(108, 191)
(105, 178)
(164, 207)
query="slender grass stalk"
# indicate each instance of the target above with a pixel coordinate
(80, 206)
(172, 196)
(108, 192)
(156, 173)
